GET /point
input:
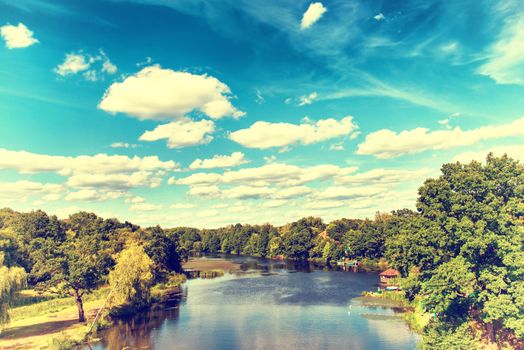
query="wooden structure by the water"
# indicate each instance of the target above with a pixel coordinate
(389, 276)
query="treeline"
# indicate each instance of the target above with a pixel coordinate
(460, 253)
(306, 239)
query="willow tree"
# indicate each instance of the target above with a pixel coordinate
(11, 280)
(131, 279)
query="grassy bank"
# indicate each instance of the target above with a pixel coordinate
(48, 324)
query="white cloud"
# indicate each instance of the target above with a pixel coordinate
(135, 200)
(322, 204)
(383, 176)
(380, 17)
(182, 133)
(118, 181)
(307, 99)
(73, 63)
(82, 195)
(22, 189)
(274, 173)
(17, 37)
(336, 147)
(204, 191)
(27, 162)
(247, 192)
(346, 193)
(157, 93)
(274, 203)
(98, 171)
(220, 161)
(182, 206)
(145, 207)
(513, 151)
(312, 14)
(79, 62)
(93, 195)
(389, 144)
(505, 63)
(266, 135)
(123, 145)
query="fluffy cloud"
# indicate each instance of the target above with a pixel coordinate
(182, 206)
(73, 63)
(380, 17)
(269, 174)
(182, 133)
(204, 191)
(22, 189)
(98, 171)
(383, 176)
(389, 144)
(346, 193)
(219, 161)
(244, 192)
(275, 203)
(93, 195)
(266, 135)
(157, 93)
(505, 64)
(307, 99)
(27, 162)
(312, 14)
(145, 207)
(117, 181)
(17, 37)
(247, 192)
(322, 204)
(513, 151)
(79, 62)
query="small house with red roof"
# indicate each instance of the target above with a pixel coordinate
(388, 276)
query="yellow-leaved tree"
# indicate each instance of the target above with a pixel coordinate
(132, 277)
(11, 280)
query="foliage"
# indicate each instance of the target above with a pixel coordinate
(11, 280)
(131, 279)
(442, 336)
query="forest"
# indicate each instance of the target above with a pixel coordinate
(460, 253)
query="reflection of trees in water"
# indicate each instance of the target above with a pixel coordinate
(135, 332)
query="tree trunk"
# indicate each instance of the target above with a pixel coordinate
(81, 314)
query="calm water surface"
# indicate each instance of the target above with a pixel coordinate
(268, 305)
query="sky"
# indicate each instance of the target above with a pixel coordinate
(208, 113)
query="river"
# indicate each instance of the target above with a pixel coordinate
(267, 305)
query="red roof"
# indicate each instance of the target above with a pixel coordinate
(390, 273)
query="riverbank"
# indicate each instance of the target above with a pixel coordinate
(50, 322)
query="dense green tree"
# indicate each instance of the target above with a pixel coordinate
(162, 249)
(468, 243)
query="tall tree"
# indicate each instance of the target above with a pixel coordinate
(11, 280)
(132, 277)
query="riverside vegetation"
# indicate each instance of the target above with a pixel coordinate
(460, 254)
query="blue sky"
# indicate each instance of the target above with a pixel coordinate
(206, 113)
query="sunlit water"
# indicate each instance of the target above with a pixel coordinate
(269, 305)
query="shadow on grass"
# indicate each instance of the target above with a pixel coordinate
(14, 333)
